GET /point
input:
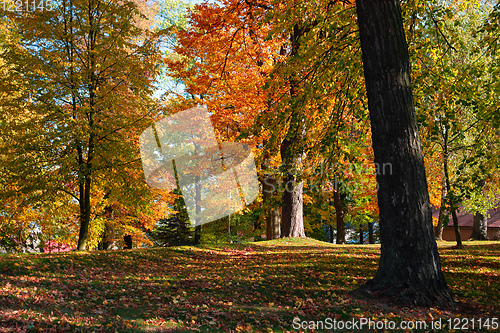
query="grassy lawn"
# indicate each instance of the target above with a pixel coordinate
(257, 287)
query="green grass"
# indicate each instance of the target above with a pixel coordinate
(258, 287)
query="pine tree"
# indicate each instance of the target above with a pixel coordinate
(176, 229)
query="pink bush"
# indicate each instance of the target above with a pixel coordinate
(51, 246)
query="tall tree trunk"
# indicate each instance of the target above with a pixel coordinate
(293, 219)
(371, 240)
(271, 210)
(339, 214)
(84, 214)
(361, 236)
(292, 224)
(88, 164)
(292, 155)
(438, 230)
(128, 241)
(197, 229)
(409, 267)
(273, 221)
(84, 225)
(451, 197)
(480, 226)
(197, 235)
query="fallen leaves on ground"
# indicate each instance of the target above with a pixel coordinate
(254, 287)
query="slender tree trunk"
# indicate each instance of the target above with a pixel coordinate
(84, 215)
(339, 214)
(84, 224)
(456, 227)
(197, 229)
(438, 230)
(451, 197)
(85, 207)
(88, 165)
(409, 267)
(371, 240)
(83, 182)
(361, 236)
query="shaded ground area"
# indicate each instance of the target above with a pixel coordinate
(257, 287)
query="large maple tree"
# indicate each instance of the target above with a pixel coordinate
(223, 60)
(81, 76)
(271, 79)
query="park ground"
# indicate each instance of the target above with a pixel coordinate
(253, 287)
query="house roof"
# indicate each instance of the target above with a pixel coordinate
(467, 220)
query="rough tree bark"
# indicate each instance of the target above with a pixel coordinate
(409, 268)
(271, 209)
(273, 221)
(480, 227)
(371, 240)
(292, 224)
(293, 220)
